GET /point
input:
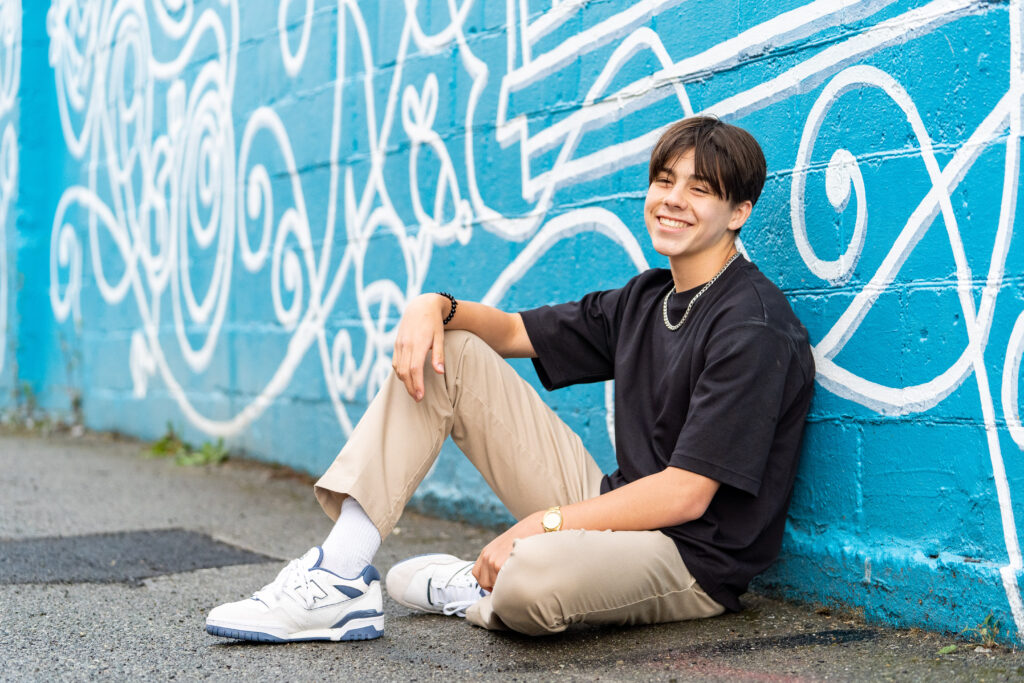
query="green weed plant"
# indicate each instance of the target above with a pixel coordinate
(171, 445)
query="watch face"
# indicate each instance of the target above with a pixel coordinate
(551, 520)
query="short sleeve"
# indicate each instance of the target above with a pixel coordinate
(731, 420)
(575, 342)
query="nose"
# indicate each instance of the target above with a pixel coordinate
(676, 196)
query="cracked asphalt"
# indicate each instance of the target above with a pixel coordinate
(110, 560)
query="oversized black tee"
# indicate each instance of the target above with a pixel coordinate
(724, 396)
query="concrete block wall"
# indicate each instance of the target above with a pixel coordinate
(10, 76)
(222, 207)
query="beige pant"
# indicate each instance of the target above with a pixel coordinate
(532, 460)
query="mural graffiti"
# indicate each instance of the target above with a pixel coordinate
(190, 199)
(10, 72)
(844, 174)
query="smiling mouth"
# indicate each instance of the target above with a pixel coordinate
(671, 223)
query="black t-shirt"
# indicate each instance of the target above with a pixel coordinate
(724, 396)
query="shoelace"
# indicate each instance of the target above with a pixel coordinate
(459, 594)
(295, 577)
(459, 607)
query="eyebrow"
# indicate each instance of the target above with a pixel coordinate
(694, 177)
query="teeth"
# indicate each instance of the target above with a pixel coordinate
(669, 223)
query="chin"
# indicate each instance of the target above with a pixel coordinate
(668, 250)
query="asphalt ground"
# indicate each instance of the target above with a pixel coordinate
(110, 560)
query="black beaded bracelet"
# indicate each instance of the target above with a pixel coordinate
(451, 314)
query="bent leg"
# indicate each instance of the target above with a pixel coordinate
(528, 456)
(592, 577)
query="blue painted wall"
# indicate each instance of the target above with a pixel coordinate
(222, 210)
(10, 76)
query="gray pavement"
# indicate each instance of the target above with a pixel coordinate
(73, 501)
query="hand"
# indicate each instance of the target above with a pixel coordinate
(492, 558)
(420, 330)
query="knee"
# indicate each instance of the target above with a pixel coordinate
(460, 342)
(461, 346)
(524, 597)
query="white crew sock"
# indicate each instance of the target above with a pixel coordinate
(352, 542)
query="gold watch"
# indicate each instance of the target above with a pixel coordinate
(552, 519)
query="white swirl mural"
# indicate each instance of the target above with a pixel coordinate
(184, 193)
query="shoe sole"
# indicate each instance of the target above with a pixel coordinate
(360, 629)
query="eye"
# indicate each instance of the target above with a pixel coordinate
(700, 189)
(663, 180)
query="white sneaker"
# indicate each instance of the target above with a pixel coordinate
(442, 584)
(305, 602)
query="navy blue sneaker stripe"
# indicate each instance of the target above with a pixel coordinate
(349, 591)
(362, 614)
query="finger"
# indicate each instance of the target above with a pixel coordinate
(478, 570)
(416, 373)
(396, 355)
(491, 569)
(482, 571)
(404, 373)
(437, 352)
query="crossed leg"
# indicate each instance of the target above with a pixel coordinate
(532, 460)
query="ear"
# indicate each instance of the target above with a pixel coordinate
(740, 214)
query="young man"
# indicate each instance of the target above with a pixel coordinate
(713, 377)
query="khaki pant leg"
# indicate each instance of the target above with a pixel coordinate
(527, 455)
(592, 577)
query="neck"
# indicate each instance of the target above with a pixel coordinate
(699, 269)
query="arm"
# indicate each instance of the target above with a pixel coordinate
(670, 497)
(503, 332)
(421, 329)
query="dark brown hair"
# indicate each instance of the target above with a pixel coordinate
(726, 157)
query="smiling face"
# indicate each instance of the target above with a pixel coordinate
(689, 223)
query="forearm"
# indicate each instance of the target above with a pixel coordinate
(503, 332)
(668, 498)
(660, 500)
(422, 329)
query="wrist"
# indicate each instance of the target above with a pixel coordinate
(448, 307)
(531, 525)
(551, 519)
(441, 303)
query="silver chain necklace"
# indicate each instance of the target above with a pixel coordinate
(668, 294)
